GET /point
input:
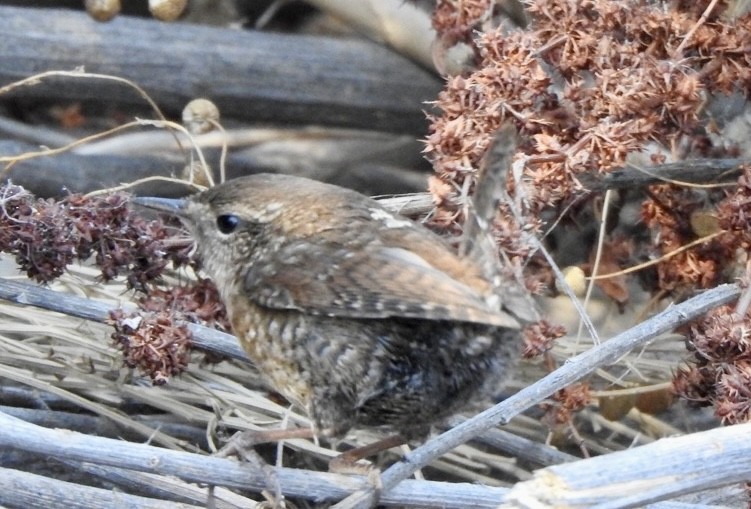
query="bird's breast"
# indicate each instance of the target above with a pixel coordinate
(274, 341)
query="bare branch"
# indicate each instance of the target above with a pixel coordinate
(317, 486)
(255, 76)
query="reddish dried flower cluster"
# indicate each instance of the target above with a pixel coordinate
(565, 403)
(538, 338)
(47, 235)
(671, 213)
(720, 374)
(198, 303)
(474, 108)
(734, 214)
(456, 20)
(153, 343)
(668, 214)
(588, 83)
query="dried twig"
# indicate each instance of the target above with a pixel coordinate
(89, 309)
(165, 487)
(305, 484)
(666, 468)
(254, 75)
(23, 489)
(692, 171)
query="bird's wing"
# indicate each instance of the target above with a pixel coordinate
(381, 281)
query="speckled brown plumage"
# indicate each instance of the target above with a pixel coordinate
(360, 316)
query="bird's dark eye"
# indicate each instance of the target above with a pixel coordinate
(227, 223)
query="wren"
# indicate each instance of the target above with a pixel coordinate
(358, 315)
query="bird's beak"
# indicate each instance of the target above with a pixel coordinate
(166, 205)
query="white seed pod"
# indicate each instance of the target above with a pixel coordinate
(200, 116)
(576, 279)
(102, 10)
(167, 10)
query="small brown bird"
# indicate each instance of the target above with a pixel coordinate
(356, 314)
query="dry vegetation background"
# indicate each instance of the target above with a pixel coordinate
(631, 174)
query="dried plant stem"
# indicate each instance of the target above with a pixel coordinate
(682, 183)
(203, 469)
(99, 425)
(519, 447)
(39, 135)
(576, 368)
(89, 309)
(663, 469)
(138, 182)
(706, 172)
(21, 376)
(744, 302)
(561, 279)
(662, 258)
(81, 74)
(630, 391)
(679, 50)
(11, 160)
(166, 124)
(166, 487)
(693, 173)
(23, 489)
(243, 78)
(223, 156)
(598, 256)
(162, 124)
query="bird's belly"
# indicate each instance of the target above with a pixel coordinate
(403, 374)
